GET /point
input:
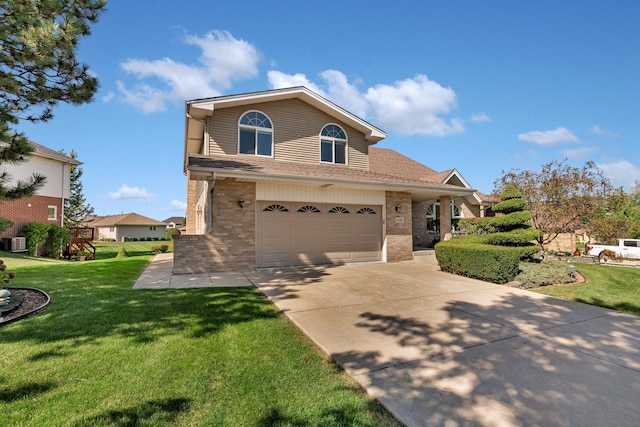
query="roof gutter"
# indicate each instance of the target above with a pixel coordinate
(442, 189)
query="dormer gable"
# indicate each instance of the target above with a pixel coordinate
(204, 117)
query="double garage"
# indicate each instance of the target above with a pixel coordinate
(301, 233)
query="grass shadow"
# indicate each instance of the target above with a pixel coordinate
(154, 412)
(30, 390)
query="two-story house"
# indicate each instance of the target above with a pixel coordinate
(285, 177)
(47, 205)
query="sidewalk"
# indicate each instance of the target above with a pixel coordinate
(158, 275)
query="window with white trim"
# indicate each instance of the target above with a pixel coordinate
(433, 216)
(333, 145)
(255, 134)
(52, 213)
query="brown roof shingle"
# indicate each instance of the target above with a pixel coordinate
(283, 169)
(124, 219)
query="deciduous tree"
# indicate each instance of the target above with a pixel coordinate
(560, 197)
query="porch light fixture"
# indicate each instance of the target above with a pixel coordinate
(241, 203)
(397, 208)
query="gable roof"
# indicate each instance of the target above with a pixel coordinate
(124, 219)
(391, 162)
(42, 151)
(197, 110)
(175, 219)
(258, 169)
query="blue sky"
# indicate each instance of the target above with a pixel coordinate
(480, 86)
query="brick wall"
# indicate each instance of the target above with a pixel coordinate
(399, 227)
(29, 209)
(231, 243)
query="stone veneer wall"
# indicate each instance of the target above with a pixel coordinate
(231, 243)
(564, 242)
(399, 227)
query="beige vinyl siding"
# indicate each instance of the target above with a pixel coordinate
(296, 127)
(308, 193)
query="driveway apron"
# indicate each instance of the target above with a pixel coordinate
(441, 350)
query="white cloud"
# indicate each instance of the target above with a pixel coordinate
(621, 173)
(178, 205)
(597, 130)
(126, 192)
(415, 106)
(560, 135)
(579, 152)
(223, 59)
(279, 80)
(108, 97)
(410, 106)
(480, 118)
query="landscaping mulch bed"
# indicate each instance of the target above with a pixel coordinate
(25, 301)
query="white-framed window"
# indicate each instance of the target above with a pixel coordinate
(52, 213)
(255, 134)
(433, 216)
(152, 228)
(333, 145)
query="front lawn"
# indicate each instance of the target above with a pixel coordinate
(105, 354)
(613, 287)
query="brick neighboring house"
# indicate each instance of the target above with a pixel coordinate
(130, 226)
(47, 205)
(285, 177)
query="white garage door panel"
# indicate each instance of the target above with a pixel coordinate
(297, 234)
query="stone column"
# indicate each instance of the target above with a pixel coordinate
(445, 216)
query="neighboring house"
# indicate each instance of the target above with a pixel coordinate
(285, 177)
(47, 205)
(174, 222)
(129, 226)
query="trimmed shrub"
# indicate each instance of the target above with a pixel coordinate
(156, 249)
(476, 226)
(521, 236)
(36, 234)
(494, 256)
(471, 256)
(510, 205)
(510, 221)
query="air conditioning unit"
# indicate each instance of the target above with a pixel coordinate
(18, 244)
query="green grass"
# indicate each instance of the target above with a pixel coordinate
(606, 286)
(105, 354)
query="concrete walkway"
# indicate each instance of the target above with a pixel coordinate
(158, 276)
(442, 350)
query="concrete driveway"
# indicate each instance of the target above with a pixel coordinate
(441, 350)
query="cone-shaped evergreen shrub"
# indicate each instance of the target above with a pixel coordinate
(494, 256)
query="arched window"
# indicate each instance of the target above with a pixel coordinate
(255, 134)
(333, 145)
(339, 209)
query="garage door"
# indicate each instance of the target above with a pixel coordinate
(317, 233)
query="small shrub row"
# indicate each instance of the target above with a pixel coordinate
(144, 239)
(156, 249)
